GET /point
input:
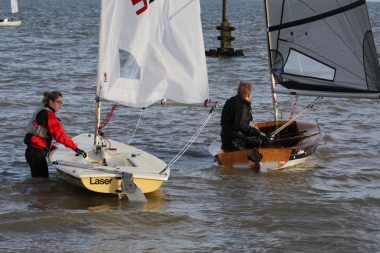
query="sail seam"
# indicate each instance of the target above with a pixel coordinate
(172, 16)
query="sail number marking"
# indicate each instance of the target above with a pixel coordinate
(140, 5)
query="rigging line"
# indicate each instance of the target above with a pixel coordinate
(297, 116)
(138, 121)
(188, 144)
(108, 118)
(186, 147)
(103, 139)
(294, 107)
(291, 114)
(284, 104)
(288, 108)
(172, 16)
(289, 122)
(93, 102)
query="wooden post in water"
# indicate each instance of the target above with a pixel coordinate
(225, 38)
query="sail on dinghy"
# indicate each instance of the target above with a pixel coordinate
(11, 22)
(148, 51)
(319, 48)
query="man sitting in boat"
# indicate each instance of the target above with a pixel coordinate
(237, 132)
(1, 19)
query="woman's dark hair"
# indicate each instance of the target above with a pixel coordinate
(50, 96)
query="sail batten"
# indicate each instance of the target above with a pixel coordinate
(322, 45)
(317, 17)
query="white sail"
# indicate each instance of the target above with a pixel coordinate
(14, 6)
(151, 51)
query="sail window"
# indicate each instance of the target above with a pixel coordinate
(128, 65)
(302, 65)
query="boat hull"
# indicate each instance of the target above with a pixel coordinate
(300, 142)
(109, 184)
(102, 171)
(10, 23)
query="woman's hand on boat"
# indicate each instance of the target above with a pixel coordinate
(81, 152)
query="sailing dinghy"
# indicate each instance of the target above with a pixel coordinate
(147, 52)
(319, 48)
(6, 21)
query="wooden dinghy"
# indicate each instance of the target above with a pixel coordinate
(291, 147)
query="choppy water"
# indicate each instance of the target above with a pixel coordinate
(330, 204)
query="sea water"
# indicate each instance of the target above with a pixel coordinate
(329, 204)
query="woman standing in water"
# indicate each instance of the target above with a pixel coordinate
(44, 126)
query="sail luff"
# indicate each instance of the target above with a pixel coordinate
(273, 83)
(14, 6)
(98, 102)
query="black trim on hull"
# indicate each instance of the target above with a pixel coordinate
(307, 152)
(72, 180)
(78, 179)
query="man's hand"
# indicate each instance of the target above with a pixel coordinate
(263, 137)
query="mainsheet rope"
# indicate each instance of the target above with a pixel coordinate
(142, 109)
(184, 149)
(188, 144)
(297, 116)
(294, 107)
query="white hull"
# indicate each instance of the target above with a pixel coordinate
(101, 171)
(10, 23)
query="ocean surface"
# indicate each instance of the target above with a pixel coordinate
(329, 204)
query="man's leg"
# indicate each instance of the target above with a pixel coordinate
(254, 143)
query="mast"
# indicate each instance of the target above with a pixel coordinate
(98, 80)
(273, 82)
(97, 122)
